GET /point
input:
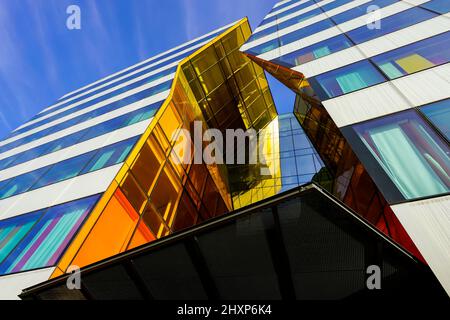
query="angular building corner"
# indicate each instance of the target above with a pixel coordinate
(96, 180)
(372, 86)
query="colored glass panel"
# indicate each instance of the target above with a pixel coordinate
(346, 79)
(415, 57)
(394, 138)
(111, 233)
(439, 114)
(49, 237)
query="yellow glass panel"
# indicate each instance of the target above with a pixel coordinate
(170, 121)
(211, 78)
(233, 41)
(166, 192)
(147, 164)
(204, 60)
(154, 221)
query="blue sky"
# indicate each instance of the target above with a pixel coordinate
(41, 60)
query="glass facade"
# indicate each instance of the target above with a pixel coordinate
(36, 240)
(415, 57)
(345, 80)
(154, 194)
(439, 114)
(394, 138)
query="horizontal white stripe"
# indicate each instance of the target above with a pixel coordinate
(404, 93)
(153, 58)
(61, 192)
(428, 224)
(89, 109)
(300, 25)
(87, 124)
(76, 150)
(376, 46)
(87, 99)
(13, 284)
(281, 2)
(343, 27)
(293, 5)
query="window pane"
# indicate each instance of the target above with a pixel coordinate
(101, 242)
(360, 10)
(411, 154)
(439, 6)
(315, 51)
(347, 79)
(13, 230)
(47, 240)
(111, 155)
(21, 183)
(439, 114)
(391, 24)
(64, 170)
(415, 57)
(306, 31)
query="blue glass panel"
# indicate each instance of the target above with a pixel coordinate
(13, 230)
(47, 240)
(112, 106)
(415, 57)
(439, 6)
(390, 24)
(360, 10)
(111, 155)
(306, 31)
(64, 170)
(265, 47)
(314, 51)
(411, 154)
(21, 183)
(346, 79)
(439, 114)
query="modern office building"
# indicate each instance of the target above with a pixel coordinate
(99, 172)
(372, 80)
(98, 181)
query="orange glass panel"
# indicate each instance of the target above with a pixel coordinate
(165, 194)
(142, 236)
(110, 234)
(147, 164)
(133, 192)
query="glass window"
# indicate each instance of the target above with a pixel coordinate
(64, 170)
(265, 47)
(48, 238)
(415, 57)
(110, 155)
(346, 79)
(306, 31)
(315, 51)
(303, 17)
(439, 114)
(360, 10)
(21, 183)
(414, 157)
(390, 24)
(13, 230)
(111, 233)
(439, 6)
